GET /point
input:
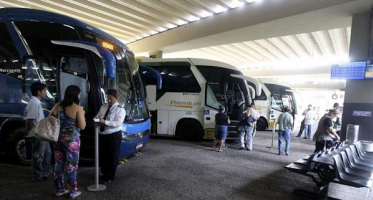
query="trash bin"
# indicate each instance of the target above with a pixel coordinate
(352, 133)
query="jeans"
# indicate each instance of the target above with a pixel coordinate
(301, 129)
(284, 134)
(246, 134)
(41, 159)
(308, 129)
(221, 132)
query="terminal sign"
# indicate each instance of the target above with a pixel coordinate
(359, 113)
(108, 45)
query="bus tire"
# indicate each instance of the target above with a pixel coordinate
(16, 147)
(261, 125)
(189, 130)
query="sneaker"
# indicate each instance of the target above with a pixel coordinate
(241, 148)
(305, 138)
(213, 149)
(58, 194)
(248, 149)
(297, 136)
(279, 154)
(220, 150)
(225, 146)
(73, 196)
(287, 153)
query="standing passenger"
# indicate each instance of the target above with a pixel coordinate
(246, 122)
(337, 122)
(285, 122)
(111, 117)
(308, 121)
(221, 128)
(41, 151)
(67, 148)
(325, 134)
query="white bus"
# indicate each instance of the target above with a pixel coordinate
(192, 90)
(271, 102)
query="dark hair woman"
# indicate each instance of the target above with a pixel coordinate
(67, 148)
(72, 95)
(221, 128)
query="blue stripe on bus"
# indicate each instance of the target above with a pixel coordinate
(136, 128)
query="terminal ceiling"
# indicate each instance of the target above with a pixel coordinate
(261, 37)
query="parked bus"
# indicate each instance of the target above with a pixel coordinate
(192, 90)
(271, 102)
(60, 51)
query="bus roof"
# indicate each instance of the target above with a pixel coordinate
(194, 61)
(25, 14)
(271, 81)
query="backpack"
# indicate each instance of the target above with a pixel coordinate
(246, 121)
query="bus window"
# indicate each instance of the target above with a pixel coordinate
(10, 69)
(44, 68)
(176, 77)
(277, 102)
(8, 51)
(213, 95)
(74, 71)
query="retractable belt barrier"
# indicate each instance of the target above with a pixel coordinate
(96, 187)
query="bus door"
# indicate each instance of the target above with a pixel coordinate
(214, 98)
(254, 81)
(74, 70)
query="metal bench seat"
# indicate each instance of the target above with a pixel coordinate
(360, 149)
(360, 172)
(357, 158)
(348, 178)
(344, 164)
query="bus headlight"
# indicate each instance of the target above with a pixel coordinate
(134, 136)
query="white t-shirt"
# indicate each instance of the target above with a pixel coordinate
(254, 113)
(308, 116)
(35, 112)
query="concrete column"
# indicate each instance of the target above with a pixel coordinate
(156, 54)
(359, 93)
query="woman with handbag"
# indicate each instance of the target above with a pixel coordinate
(67, 148)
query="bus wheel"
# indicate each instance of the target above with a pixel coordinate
(17, 147)
(189, 130)
(261, 125)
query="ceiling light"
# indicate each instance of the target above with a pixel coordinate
(153, 32)
(161, 29)
(235, 4)
(193, 18)
(171, 26)
(205, 14)
(181, 22)
(219, 9)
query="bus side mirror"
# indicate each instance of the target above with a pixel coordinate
(155, 73)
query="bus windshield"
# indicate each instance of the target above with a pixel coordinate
(281, 96)
(225, 89)
(127, 82)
